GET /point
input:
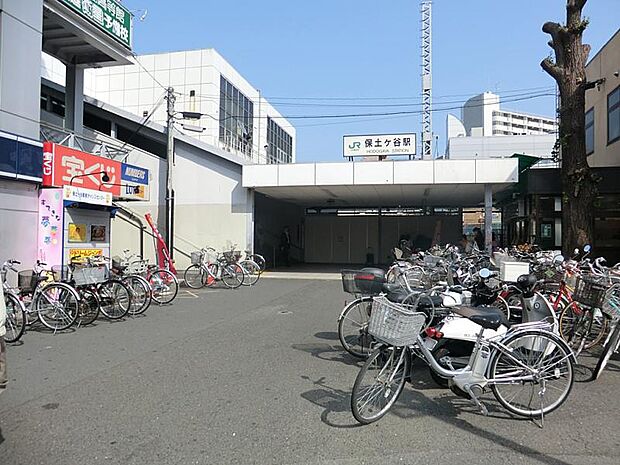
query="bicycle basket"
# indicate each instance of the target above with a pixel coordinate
(90, 275)
(394, 324)
(137, 267)
(27, 280)
(360, 282)
(196, 258)
(232, 256)
(589, 292)
(61, 273)
(570, 279)
(431, 260)
(611, 307)
(118, 264)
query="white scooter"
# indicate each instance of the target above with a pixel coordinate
(451, 341)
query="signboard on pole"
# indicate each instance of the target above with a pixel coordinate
(79, 194)
(66, 166)
(135, 182)
(108, 15)
(373, 145)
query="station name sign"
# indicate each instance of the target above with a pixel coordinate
(373, 145)
(109, 15)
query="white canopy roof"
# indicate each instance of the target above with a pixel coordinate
(383, 183)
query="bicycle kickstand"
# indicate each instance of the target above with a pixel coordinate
(541, 396)
(477, 402)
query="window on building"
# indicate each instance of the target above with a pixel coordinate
(590, 131)
(613, 115)
(279, 144)
(236, 118)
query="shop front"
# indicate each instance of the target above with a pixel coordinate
(76, 202)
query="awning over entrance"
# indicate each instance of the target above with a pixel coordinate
(458, 183)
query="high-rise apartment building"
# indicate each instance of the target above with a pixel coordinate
(483, 116)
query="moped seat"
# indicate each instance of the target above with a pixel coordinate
(487, 317)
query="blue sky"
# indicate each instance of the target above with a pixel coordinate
(361, 49)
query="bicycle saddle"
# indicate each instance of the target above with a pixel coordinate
(487, 317)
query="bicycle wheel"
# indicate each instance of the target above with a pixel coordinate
(140, 293)
(232, 276)
(15, 323)
(353, 327)
(195, 277)
(57, 306)
(608, 350)
(582, 328)
(252, 270)
(534, 376)
(379, 383)
(89, 307)
(164, 285)
(259, 260)
(115, 299)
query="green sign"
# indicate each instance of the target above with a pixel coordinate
(108, 15)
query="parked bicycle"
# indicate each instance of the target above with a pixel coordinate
(529, 368)
(54, 304)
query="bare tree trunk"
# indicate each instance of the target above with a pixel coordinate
(568, 70)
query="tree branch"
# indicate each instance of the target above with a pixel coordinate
(555, 71)
(573, 12)
(558, 33)
(586, 52)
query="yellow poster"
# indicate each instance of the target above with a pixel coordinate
(77, 255)
(77, 232)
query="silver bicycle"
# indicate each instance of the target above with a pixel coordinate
(55, 305)
(529, 369)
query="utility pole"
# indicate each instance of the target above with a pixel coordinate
(170, 97)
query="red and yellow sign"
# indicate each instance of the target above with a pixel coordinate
(63, 166)
(83, 254)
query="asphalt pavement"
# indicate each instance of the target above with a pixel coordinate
(257, 376)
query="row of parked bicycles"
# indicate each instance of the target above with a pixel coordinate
(229, 267)
(513, 323)
(61, 297)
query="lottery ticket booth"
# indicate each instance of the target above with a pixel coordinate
(76, 202)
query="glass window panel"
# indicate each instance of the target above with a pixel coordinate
(614, 98)
(30, 160)
(613, 125)
(8, 155)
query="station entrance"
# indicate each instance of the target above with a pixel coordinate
(355, 213)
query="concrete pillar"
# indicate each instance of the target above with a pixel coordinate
(488, 216)
(74, 99)
(21, 25)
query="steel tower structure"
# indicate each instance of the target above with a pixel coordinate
(427, 79)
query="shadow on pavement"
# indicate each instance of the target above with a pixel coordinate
(332, 401)
(329, 335)
(328, 353)
(336, 404)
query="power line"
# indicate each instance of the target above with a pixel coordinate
(272, 99)
(146, 120)
(404, 112)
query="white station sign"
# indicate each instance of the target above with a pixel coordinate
(373, 145)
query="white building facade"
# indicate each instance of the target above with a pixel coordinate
(235, 117)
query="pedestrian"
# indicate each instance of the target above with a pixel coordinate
(285, 246)
(478, 239)
(3, 376)
(464, 244)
